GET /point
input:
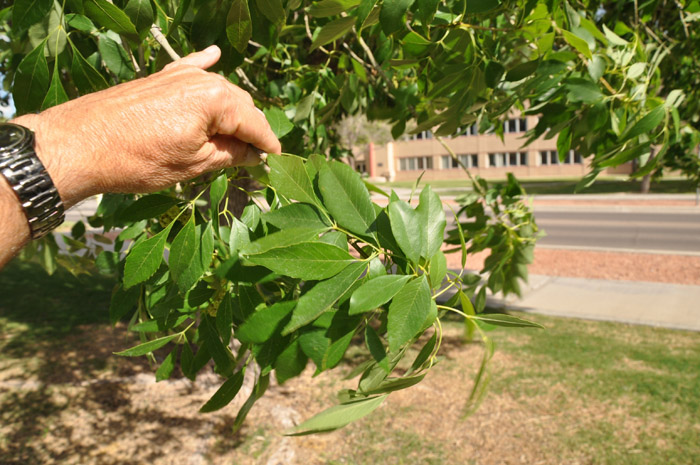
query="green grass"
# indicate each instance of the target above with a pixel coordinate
(563, 186)
(650, 374)
(36, 308)
(600, 393)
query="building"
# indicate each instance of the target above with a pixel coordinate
(485, 155)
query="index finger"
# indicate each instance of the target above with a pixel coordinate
(237, 116)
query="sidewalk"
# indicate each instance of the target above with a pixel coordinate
(665, 305)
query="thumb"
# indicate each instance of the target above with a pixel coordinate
(203, 59)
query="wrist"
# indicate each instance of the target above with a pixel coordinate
(58, 165)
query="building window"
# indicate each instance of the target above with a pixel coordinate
(468, 160)
(360, 167)
(415, 163)
(421, 135)
(497, 160)
(516, 125)
(551, 157)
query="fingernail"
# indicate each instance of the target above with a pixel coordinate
(253, 156)
(211, 48)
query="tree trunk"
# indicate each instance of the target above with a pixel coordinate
(646, 184)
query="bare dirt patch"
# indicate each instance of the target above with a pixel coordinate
(107, 419)
(677, 269)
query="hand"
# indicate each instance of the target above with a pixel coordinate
(150, 133)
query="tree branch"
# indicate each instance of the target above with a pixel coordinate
(160, 38)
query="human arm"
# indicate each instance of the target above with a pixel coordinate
(141, 136)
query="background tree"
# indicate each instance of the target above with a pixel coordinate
(596, 84)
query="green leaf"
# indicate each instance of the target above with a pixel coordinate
(207, 249)
(280, 239)
(257, 392)
(149, 206)
(362, 13)
(424, 353)
(261, 325)
(596, 67)
(323, 295)
(223, 358)
(376, 348)
(376, 292)
(304, 107)
(28, 12)
(56, 94)
(347, 199)
(109, 16)
(502, 319)
(239, 238)
(154, 326)
(408, 312)
(333, 31)
(577, 43)
(123, 301)
(614, 38)
(335, 238)
(141, 14)
(296, 215)
(582, 90)
(395, 384)
(56, 40)
(279, 122)
(438, 269)
(338, 416)
(86, 78)
(31, 81)
(272, 10)
(392, 14)
(217, 191)
(225, 394)
(166, 368)
(522, 70)
(239, 28)
(147, 347)
(326, 8)
(481, 6)
(289, 178)
(145, 258)
(116, 58)
(185, 268)
(645, 125)
(79, 22)
(290, 362)
(305, 260)
(432, 218)
(426, 10)
(408, 229)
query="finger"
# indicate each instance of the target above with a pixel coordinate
(225, 151)
(203, 59)
(238, 118)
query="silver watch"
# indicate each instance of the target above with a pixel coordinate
(29, 179)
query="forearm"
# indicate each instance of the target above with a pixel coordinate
(14, 229)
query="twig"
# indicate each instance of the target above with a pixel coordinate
(134, 63)
(454, 156)
(310, 36)
(680, 14)
(241, 74)
(160, 38)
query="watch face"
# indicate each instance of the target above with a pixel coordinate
(12, 136)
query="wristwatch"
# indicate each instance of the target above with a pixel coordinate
(29, 180)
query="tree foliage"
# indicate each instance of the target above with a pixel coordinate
(312, 263)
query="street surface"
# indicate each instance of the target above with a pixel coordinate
(661, 230)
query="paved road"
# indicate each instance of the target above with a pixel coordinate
(664, 230)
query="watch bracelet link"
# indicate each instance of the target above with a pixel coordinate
(34, 188)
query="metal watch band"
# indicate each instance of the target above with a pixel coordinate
(33, 186)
